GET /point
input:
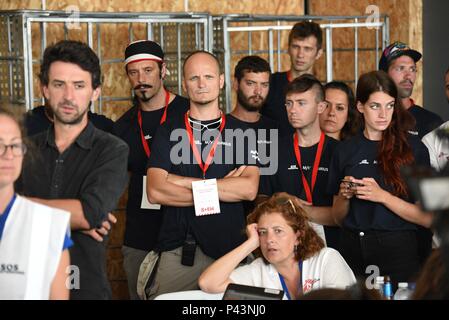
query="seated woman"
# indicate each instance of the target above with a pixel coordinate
(294, 258)
(33, 240)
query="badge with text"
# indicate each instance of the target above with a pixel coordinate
(205, 197)
(145, 204)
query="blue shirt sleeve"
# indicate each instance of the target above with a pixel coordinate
(67, 242)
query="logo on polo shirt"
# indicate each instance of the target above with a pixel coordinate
(415, 133)
(308, 284)
(443, 155)
(10, 268)
(293, 167)
(148, 137)
(255, 155)
(364, 161)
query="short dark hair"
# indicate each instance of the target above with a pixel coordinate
(352, 125)
(205, 52)
(75, 52)
(305, 83)
(305, 29)
(254, 64)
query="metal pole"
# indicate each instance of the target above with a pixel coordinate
(90, 37)
(377, 48)
(329, 75)
(250, 42)
(100, 100)
(356, 53)
(270, 48)
(227, 64)
(28, 65)
(178, 50)
(11, 84)
(278, 48)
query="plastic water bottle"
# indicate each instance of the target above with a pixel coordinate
(379, 285)
(388, 290)
(403, 292)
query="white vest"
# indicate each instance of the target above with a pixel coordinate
(30, 250)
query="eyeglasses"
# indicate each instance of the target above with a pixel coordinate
(285, 201)
(18, 149)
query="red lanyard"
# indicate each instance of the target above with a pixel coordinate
(145, 145)
(316, 164)
(195, 151)
(289, 76)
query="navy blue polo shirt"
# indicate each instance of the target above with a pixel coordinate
(288, 177)
(357, 157)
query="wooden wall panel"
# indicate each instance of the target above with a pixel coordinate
(405, 25)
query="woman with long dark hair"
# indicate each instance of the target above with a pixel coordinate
(371, 200)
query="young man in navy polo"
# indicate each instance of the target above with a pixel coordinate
(305, 155)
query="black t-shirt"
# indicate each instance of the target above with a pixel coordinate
(357, 157)
(266, 135)
(288, 177)
(274, 107)
(426, 120)
(216, 234)
(36, 121)
(142, 225)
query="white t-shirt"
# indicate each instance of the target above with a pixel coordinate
(439, 157)
(30, 250)
(438, 147)
(326, 269)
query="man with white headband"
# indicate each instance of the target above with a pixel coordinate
(153, 105)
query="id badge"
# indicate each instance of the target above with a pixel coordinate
(145, 204)
(205, 197)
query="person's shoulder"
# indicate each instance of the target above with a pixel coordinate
(125, 121)
(426, 113)
(107, 140)
(268, 123)
(326, 253)
(180, 100)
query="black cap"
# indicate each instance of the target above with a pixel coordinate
(143, 50)
(395, 50)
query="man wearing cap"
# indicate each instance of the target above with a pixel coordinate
(153, 105)
(399, 61)
(200, 175)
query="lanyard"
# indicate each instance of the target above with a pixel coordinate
(289, 76)
(284, 286)
(195, 151)
(316, 163)
(145, 145)
(5, 214)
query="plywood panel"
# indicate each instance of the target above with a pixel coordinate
(405, 24)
